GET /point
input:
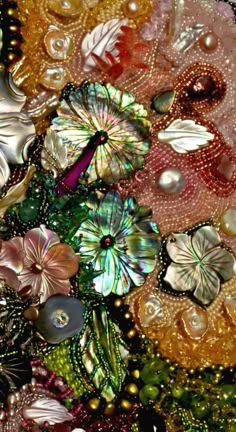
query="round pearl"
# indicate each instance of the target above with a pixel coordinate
(228, 222)
(208, 42)
(132, 8)
(171, 181)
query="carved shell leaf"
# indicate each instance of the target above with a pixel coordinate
(185, 136)
(47, 410)
(101, 39)
(54, 153)
(4, 170)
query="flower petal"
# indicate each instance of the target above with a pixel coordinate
(221, 261)
(107, 281)
(208, 286)
(179, 248)
(181, 277)
(204, 239)
(61, 262)
(10, 277)
(37, 242)
(12, 254)
(110, 213)
(50, 286)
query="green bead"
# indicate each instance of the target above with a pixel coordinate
(201, 410)
(28, 209)
(147, 393)
(228, 391)
(178, 391)
(154, 372)
(163, 101)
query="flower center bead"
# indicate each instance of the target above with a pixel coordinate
(107, 242)
(99, 138)
(36, 268)
(60, 318)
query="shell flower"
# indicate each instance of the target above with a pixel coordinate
(47, 264)
(200, 263)
(17, 130)
(94, 110)
(120, 240)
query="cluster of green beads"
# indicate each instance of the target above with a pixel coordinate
(59, 362)
(203, 398)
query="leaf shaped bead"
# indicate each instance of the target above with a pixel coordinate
(54, 153)
(100, 40)
(47, 410)
(185, 136)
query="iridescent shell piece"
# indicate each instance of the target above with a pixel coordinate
(95, 108)
(121, 240)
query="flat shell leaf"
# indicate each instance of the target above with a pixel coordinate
(185, 136)
(101, 39)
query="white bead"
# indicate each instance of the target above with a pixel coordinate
(171, 181)
(228, 222)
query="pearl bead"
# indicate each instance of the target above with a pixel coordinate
(208, 42)
(150, 310)
(171, 181)
(54, 78)
(58, 45)
(194, 322)
(228, 222)
(132, 9)
(66, 8)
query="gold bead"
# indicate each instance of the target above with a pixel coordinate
(131, 333)
(14, 28)
(11, 399)
(93, 404)
(125, 405)
(118, 303)
(132, 389)
(10, 11)
(127, 315)
(136, 373)
(31, 313)
(110, 409)
(2, 415)
(14, 42)
(11, 56)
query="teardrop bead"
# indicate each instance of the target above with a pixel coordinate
(163, 101)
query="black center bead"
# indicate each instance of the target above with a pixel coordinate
(107, 242)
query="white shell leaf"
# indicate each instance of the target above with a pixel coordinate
(47, 410)
(185, 136)
(54, 153)
(4, 170)
(101, 39)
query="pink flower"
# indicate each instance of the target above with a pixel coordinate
(47, 264)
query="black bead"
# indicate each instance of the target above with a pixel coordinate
(150, 421)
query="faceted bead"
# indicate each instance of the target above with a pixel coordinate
(228, 222)
(201, 410)
(163, 101)
(194, 322)
(28, 209)
(54, 78)
(58, 45)
(154, 372)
